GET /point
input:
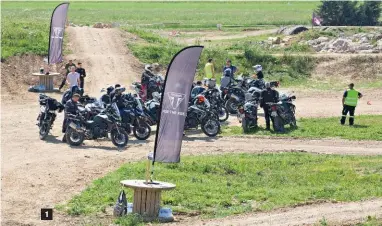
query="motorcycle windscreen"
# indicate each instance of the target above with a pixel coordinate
(116, 110)
(225, 81)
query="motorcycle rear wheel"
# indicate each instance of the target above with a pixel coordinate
(231, 106)
(44, 130)
(211, 127)
(119, 138)
(278, 125)
(73, 137)
(142, 131)
(244, 125)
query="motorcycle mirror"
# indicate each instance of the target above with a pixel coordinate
(293, 97)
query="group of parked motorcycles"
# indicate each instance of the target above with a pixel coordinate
(102, 118)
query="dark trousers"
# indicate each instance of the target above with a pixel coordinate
(63, 83)
(267, 117)
(345, 111)
(82, 80)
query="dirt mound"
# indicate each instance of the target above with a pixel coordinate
(352, 68)
(16, 73)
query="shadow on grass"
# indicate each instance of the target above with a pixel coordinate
(359, 126)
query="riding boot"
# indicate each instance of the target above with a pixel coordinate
(343, 119)
(64, 138)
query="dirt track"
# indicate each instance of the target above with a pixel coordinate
(38, 174)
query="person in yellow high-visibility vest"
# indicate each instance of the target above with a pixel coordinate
(349, 102)
(209, 69)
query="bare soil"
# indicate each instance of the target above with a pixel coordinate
(37, 174)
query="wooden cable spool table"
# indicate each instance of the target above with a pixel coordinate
(147, 197)
(46, 80)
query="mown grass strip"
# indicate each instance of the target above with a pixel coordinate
(216, 186)
(367, 127)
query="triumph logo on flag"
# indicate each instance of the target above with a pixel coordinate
(175, 100)
(58, 32)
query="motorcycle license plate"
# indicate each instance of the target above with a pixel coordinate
(274, 114)
(73, 125)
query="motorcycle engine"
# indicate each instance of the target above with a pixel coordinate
(191, 120)
(99, 131)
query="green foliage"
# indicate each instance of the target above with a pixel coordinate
(23, 37)
(130, 220)
(368, 127)
(371, 221)
(350, 13)
(215, 186)
(369, 13)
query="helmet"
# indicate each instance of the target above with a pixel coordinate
(228, 72)
(148, 67)
(119, 90)
(257, 68)
(267, 85)
(200, 99)
(109, 89)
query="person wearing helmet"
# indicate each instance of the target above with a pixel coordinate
(259, 71)
(198, 89)
(268, 95)
(117, 98)
(71, 107)
(145, 79)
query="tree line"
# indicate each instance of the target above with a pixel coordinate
(350, 13)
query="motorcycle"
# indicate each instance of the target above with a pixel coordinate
(155, 85)
(47, 115)
(108, 121)
(152, 109)
(134, 117)
(200, 114)
(247, 113)
(217, 104)
(234, 93)
(283, 113)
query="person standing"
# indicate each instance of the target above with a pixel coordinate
(349, 103)
(67, 68)
(145, 79)
(209, 69)
(73, 78)
(71, 107)
(233, 69)
(80, 70)
(268, 95)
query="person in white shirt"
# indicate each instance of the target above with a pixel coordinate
(73, 78)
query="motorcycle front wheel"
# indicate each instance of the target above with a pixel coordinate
(120, 138)
(44, 130)
(142, 131)
(223, 114)
(211, 127)
(231, 106)
(73, 137)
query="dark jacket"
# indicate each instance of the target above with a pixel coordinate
(82, 72)
(118, 99)
(269, 96)
(68, 66)
(146, 77)
(71, 107)
(260, 75)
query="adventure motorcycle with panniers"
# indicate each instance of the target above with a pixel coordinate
(105, 123)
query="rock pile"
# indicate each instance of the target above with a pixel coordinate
(102, 25)
(357, 43)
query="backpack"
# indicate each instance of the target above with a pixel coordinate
(120, 208)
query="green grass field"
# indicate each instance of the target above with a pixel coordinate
(367, 127)
(216, 186)
(25, 25)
